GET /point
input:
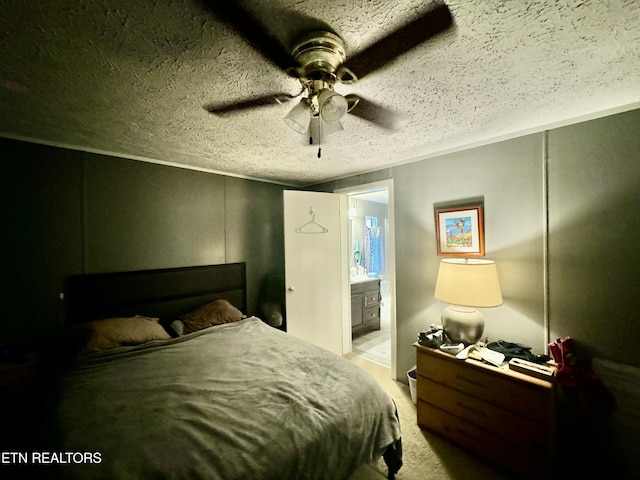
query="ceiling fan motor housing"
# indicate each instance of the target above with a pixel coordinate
(319, 54)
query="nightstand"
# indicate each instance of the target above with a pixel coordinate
(502, 416)
(18, 370)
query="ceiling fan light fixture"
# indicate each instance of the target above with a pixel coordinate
(332, 105)
(299, 116)
(319, 128)
(329, 129)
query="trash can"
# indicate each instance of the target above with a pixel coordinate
(412, 376)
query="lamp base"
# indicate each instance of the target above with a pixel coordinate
(462, 324)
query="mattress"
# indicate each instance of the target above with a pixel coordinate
(236, 401)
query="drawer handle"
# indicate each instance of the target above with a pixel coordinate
(472, 382)
(471, 409)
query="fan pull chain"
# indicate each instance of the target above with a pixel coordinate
(319, 137)
(319, 149)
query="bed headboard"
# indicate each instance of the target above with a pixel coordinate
(164, 293)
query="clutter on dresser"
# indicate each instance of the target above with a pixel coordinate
(479, 351)
(491, 356)
(545, 372)
(499, 353)
(453, 349)
(431, 337)
(514, 350)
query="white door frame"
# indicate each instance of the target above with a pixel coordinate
(391, 260)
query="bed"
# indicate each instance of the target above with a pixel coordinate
(236, 400)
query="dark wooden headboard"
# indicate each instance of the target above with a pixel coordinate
(165, 293)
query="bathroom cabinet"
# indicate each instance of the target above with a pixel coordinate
(365, 306)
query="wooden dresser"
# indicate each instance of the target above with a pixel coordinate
(504, 417)
(365, 306)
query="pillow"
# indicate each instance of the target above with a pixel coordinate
(214, 313)
(121, 331)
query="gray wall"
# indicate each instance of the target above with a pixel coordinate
(67, 212)
(594, 225)
(592, 171)
(507, 176)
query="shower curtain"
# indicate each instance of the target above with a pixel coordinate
(373, 250)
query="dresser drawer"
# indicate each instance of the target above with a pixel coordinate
(371, 314)
(371, 298)
(522, 398)
(523, 431)
(481, 441)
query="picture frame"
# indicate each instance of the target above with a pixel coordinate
(460, 231)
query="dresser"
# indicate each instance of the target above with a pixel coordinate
(502, 416)
(365, 306)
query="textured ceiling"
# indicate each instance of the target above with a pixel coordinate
(131, 78)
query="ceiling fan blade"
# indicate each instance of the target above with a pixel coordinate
(254, 32)
(262, 101)
(436, 20)
(367, 110)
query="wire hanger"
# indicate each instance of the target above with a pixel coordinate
(311, 226)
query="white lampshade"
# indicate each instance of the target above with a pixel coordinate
(465, 284)
(319, 128)
(468, 282)
(332, 105)
(329, 129)
(298, 118)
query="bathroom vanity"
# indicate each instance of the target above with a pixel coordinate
(365, 305)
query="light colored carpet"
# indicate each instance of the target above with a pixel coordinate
(425, 455)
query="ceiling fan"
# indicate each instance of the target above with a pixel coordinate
(319, 61)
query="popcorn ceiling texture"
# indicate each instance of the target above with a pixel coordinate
(131, 79)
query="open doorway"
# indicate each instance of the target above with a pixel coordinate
(372, 271)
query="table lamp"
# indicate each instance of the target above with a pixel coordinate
(465, 284)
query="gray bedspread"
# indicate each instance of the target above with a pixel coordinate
(236, 401)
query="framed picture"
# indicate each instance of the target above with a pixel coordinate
(460, 231)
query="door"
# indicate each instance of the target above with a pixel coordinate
(316, 275)
(381, 192)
